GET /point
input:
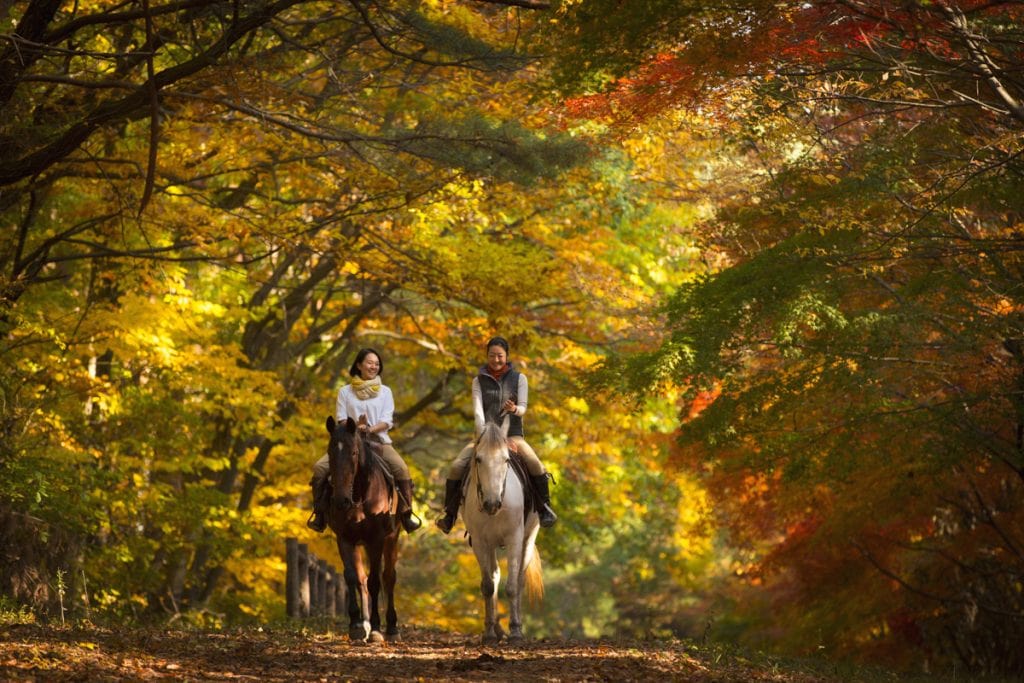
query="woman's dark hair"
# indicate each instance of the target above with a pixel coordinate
(360, 357)
(498, 341)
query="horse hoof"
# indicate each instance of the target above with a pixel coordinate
(376, 637)
(493, 636)
(358, 633)
(393, 636)
(516, 637)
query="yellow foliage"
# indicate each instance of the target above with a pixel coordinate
(577, 405)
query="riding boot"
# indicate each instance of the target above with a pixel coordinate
(540, 487)
(405, 505)
(318, 520)
(452, 500)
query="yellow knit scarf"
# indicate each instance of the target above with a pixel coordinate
(366, 389)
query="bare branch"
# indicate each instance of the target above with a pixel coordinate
(138, 101)
(982, 62)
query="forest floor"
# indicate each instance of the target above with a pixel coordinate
(33, 652)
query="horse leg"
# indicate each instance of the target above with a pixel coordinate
(514, 586)
(355, 581)
(364, 597)
(390, 576)
(374, 552)
(490, 576)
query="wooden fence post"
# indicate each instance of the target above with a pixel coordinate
(313, 588)
(321, 587)
(291, 582)
(340, 594)
(332, 582)
(303, 576)
(314, 605)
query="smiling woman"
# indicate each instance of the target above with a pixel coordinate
(368, 401)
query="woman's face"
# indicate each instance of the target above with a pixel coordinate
(496, 358)
(369, 367)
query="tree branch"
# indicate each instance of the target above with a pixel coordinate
(982, 62)
(122, 109)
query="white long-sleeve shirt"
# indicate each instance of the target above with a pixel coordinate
(380, 408)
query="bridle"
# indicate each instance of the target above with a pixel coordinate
(475, 473)
(357, 456)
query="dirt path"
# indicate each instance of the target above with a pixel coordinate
(37, 653)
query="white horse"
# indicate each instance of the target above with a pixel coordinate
(493, 511)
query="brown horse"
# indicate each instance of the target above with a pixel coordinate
(362, 513)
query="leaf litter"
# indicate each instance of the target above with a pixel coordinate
(33, 652)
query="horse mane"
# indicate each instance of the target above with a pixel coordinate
(362, 444)
(373, 458)
(369, 462)
(341, 439)
(491, 437)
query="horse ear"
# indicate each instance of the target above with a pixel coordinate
(504, 425)
(330, 425)
(350, 425)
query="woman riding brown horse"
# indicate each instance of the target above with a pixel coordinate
(362, 513)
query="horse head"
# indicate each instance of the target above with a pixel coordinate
(345, 452)
(490, 462)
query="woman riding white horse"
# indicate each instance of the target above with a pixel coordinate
(495, 514)
(499, 390)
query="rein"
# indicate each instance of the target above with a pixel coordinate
(363, 466)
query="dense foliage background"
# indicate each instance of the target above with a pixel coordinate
(762, 265)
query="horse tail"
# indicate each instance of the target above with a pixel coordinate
(534, 579)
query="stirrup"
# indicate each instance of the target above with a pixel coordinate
(410, 523)
(317, 522)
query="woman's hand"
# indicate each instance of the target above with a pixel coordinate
(509, 406)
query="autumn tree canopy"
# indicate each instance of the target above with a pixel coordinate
(210, 208)
(760, 263)
(853, 350)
